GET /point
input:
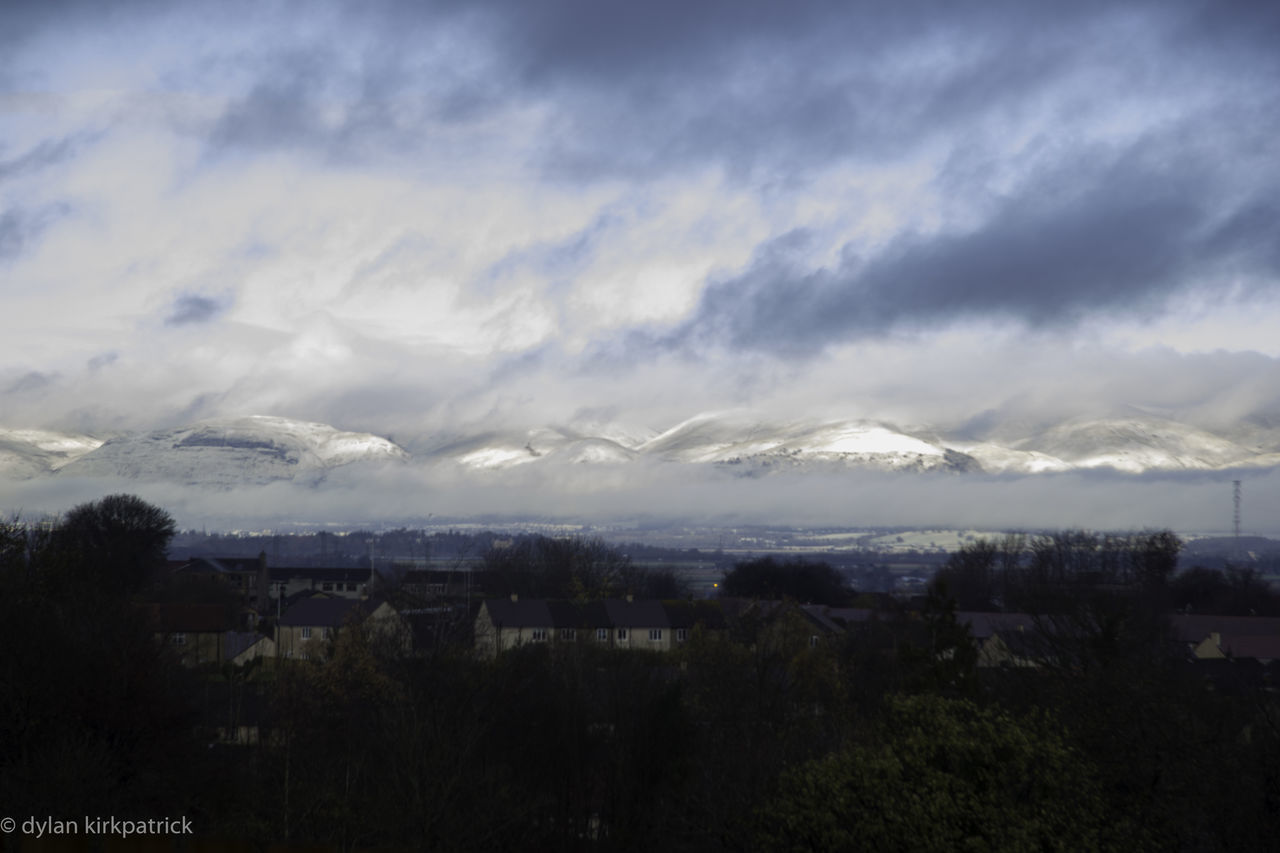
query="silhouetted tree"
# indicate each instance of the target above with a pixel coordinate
(116, 544)
(803, 581)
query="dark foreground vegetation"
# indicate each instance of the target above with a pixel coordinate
(887, 735)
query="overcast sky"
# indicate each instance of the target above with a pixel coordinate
(415, 217)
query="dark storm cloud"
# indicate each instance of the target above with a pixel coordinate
(50, 152)
(32, 383)
(1075, 244)
(764, 88)
(190, 308)
(20, 228)
(98, 362)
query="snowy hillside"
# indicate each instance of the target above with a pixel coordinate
(1136, 445)
(223, 453)
(259, 449)
(26, 453)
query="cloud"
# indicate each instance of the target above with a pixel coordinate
(32, 383)
(47, 153)
(190, 309)
(443, 218)
(666, 494)
(1067, 248)
(21, 228)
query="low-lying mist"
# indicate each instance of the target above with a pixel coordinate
(658, 492)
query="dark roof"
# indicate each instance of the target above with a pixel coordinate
(850, 614)
(331, 575)
(222, 565)
(686, 614)
(172, 618)
(322, 612)
(644, 613)
(983, 625)
(817, 614)
(1020, 642)
(609, 613)
(595, 614)
(519, 614)
(1260, 648)
(1193, 628)
(566, 614)
(235, 642)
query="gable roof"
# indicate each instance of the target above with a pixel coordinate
(817, 615)
(1263, 648)
(178, 618)
(687, 614)
(321, 612)
(323, 575)
(566, 614)
(221, 565)
(982, 625)
(1192, 628)
(645, 613)
(532, 613)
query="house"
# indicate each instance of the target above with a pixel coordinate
(352, 584)
(1207, 636)
(1003, 639)
(506, 623)
(240, 647)
(196, 632)
(1262, 648)
(245, 575)
(686, 617)
(304, 630)
(430, 584)
(644, 624)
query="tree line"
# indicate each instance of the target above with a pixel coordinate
(888, 736)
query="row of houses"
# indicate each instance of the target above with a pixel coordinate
(198, 633)
(646, 624)
(262, 587)
(1016, 639)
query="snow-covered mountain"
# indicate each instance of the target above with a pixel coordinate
(737, 441)
(222, 453)
(508, 449)
(1136, 445)
(259, 449)
(27, 453)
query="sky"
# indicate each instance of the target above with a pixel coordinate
(426, 218)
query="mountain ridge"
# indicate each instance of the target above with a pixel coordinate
(257, 449)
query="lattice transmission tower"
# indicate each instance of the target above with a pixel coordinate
(1235, 516)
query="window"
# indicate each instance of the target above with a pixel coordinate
(568, 633)
(655, 635)
(539, 634)
(622, 633)
(813, 641)
(306, 633)
(682, 634)
(178, 639)
(352, 587)
(327, 587)
(602, 634)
